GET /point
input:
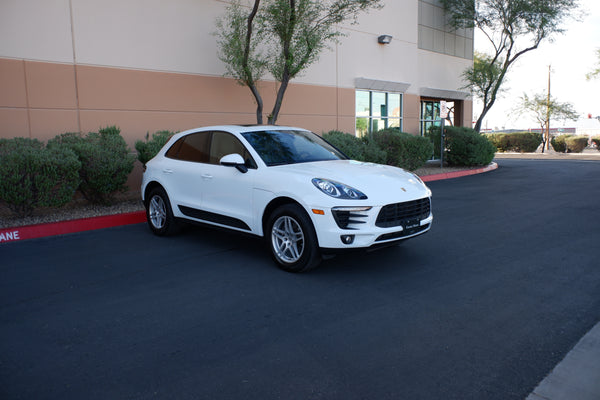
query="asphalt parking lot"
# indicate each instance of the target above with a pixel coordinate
(481, 307)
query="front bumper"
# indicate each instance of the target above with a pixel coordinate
(360, 227)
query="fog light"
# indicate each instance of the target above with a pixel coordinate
(347, 239)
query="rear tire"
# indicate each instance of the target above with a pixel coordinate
(292, 239)
(159, 213)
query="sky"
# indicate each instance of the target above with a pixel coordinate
(572, 55)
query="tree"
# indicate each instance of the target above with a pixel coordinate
(543, 110)
(283, 37)
(595, 73)
(238, 44)
(483, 75)
(513, 28)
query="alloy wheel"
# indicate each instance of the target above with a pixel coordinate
(288, 239)
(157, 212)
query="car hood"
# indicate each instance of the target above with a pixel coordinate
(378, 182)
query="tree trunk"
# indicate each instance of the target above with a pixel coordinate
(259, 104)
(285, 76)
(278, 101)
(250, 82)
(484, 112)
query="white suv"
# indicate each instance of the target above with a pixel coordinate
(285, 184)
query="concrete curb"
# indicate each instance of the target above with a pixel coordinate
(80, 225)
(577, 376)
(458, 174)
(72, 226)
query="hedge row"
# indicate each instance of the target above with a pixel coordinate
(569, 143)
(520, 142)
(384, 147)
(32, 175)
(98, 164)
(463, 146)
(35, 175)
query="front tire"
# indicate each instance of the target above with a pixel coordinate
(292, 239)
(159, 213)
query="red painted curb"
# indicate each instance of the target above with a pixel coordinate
(77, 225)
(458, 174)
(80, 225)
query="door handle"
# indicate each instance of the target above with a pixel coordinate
(167, 171)
(207, 176)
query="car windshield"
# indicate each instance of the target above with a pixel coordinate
(291, 147)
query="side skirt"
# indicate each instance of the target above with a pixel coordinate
(213, 217)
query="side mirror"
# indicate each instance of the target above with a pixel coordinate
(234, 160)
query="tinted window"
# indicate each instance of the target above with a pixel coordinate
(291, 147)
(224, 143)
(193, 147)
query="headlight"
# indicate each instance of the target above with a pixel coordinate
(338, 190)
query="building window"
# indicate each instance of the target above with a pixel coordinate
(377, 110)
(435, 34)
(430, 114)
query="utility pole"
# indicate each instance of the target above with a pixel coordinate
(548, 111)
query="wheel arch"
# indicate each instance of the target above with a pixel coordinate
(149, 187)
(272, 206)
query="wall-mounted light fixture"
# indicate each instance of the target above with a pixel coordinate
(384, 39)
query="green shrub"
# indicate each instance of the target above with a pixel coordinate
(499, 140)
(403, 150)
(464, 146)
(149, 148)
(105, 162)
(559, 143)
(576, 144)
(521, 142)
(360, 149)
(569, 143)
(33, 176)
(433, 134)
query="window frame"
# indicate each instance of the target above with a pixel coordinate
(376, 115)
(436, 109)
(207, 158)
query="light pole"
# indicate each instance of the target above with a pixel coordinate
(548, 111)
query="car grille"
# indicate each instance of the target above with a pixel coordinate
(404, 214)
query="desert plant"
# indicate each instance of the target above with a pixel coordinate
(403, 150)
(32, 175)
(105, 162)
(148, 148)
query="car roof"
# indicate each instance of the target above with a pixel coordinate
(241, 128)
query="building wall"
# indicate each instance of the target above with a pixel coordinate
(148, 65)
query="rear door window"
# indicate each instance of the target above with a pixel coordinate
(193, 147)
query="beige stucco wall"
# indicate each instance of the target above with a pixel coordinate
(147, 65)
(41, 100)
